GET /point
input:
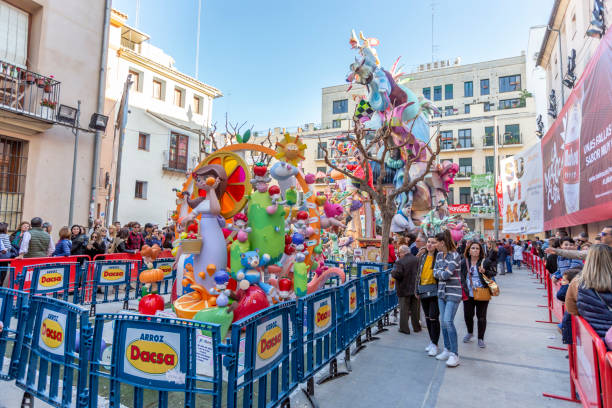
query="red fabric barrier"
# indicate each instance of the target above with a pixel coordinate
(20, 264)
(589, 363)
(556, 306)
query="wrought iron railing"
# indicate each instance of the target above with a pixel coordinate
(27, 92)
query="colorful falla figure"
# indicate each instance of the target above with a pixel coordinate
(211, 179)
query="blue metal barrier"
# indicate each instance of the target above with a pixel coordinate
(156, 361)
(165, 286)
(272, 346)
(12, 304)
(322, 332)
(58, 280)
(353, 311)
(50, 358)
(110, 277)
(391, 294)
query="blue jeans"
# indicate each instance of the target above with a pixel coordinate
(448, 309)
(509, 264)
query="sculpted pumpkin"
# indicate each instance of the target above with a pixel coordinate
(151, 275)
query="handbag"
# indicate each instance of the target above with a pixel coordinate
(493, 288)
(482, 294)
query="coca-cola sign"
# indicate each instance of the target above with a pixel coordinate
(459, 209)
(577, 149)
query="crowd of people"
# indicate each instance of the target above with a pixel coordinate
(35, 239)
(436, 274)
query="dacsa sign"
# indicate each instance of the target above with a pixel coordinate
(51, 332)
(269, 343)
(151, 355)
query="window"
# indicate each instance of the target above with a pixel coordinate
(197, 104)
(448, 91)
(141, 190)
(490, 164)
(13, 169)
(487, 106)
(340, 106)
(451, 196)
(489, 135)
(143, 141)
(448, 111)
(466, 109)
(13, 35)
(321, 147)
(427, 93)
(465, 167)
(437, 93)
(484, 87)
(512, 134)
(178, 97)
(321, 170)
(468, 89)
(464, 195)
(510, 83)
(157, 89)
(136, 86)
(446, 138)
(179, 148)
(465, 138)
(510, 103)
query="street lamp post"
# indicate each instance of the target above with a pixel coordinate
(75, 131)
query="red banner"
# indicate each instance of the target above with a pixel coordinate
(577, 150)
(459, 209)
(499, 190)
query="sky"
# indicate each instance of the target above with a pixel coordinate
(270, 58)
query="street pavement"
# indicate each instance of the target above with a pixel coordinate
(513, 370)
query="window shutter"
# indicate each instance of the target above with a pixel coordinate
(13, 35)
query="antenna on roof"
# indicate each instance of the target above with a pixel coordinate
(137, 21)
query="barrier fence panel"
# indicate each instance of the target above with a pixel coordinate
(19, 265)
(374, 297)
(58, 280)
(272, 347)
(54, 352)
(111, 278)
(12, 303)
(390, 294)
(134, 259)
(352, 311)
(556, 305)
(154, 361)
(165, 286)
(321, 332)
(589, 350)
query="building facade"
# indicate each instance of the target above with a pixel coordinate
(50, 54)
(485, 115)
(168, 113)
(568, 43)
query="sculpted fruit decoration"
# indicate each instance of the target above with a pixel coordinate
(291, 150)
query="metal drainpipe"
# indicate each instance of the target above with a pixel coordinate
(99, 108)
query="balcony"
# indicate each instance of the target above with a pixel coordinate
(178, 164)
(26, 93)
(452, 144)
(487, 140)
(511, 139)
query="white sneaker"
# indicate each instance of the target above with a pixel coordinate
(443, 355)
(453, 360)
(433, 351)
(429, 346)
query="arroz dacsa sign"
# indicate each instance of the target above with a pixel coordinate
(113, 274)
(322, 314)
(52, 335)
(166, 267)
(269, 342)
(352, 295)
(391, 283)
(153, 355)
(50, 278)
(372, 289)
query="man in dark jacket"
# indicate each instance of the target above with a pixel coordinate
(405, 274)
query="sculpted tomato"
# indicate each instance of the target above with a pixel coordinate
(150, 304)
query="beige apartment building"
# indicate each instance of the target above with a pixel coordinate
(50, 54)
(483, 110)
(168, 113)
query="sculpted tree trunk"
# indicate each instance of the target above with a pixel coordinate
(376, 150)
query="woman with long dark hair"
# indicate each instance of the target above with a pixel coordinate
(446, 271)
(473, 266)
(427, 291)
